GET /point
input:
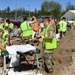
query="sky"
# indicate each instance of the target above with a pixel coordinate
(29, 4)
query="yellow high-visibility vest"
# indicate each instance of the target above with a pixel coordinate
(26, 29)
(49, 44)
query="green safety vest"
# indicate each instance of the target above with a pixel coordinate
(3, 44)
(4, 35)
(74, 23)
(1, 26)
(6, 25)
(49, 44)
(11, 25)
(62, 26)
(26, 29)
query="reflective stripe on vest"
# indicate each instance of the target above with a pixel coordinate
(49, 44)
(4, 35)
(60, 25)
(11, 25)
(26, 29)
(6, 25)
(64, 26)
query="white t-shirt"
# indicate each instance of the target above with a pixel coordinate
(42, 25)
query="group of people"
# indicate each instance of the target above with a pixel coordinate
(49, 42)
(65, 26)
(31, 29)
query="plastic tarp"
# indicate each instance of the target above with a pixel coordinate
(69, 15)
(12, 50)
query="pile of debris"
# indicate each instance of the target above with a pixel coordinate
(64, 55)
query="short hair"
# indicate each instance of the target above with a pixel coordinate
(8, 20)
(46, 19)
(32, 19)
(24, 18)
(64, 18)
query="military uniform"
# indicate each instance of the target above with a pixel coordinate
(49, 46)
(1, 57)
(1, 52)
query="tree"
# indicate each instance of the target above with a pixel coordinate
(35, 11)
(69, 6)
(51, 8)
(8, 11)
(20, 12)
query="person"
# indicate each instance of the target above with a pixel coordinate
(42, 26)
(36, 28)
(2, 46)
(1, 24)
(62, 27)
(11, 25)
(26, 28)
(51, 21)
(6, 23)
(6, 33)
(73, 24)
(12, 50)
(49, 44)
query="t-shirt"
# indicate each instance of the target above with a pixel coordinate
(41, 25)
(36, 27)
(50, 29)
(52, 22)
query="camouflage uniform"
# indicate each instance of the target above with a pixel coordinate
(1, 56)
(47, 62)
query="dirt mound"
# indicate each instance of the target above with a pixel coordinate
(64, 55)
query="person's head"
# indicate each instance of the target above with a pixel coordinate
(64, 18)
(46, 21)
(50, 18)
(1, 32)
(73, 19)
(24, 18)
(8, 21)
(32, 19)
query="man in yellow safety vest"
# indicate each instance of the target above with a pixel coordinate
(26, 28)
(49, 44)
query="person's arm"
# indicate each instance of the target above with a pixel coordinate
(58, 23)
(31, 22)
(7, 42)
(50, 36)
(51, 33)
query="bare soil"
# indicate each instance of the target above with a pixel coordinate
(63, 57)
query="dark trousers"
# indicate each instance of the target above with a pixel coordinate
(62, 34)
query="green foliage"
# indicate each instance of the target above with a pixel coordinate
(69, 6)
(48, 8)
(51, 8)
